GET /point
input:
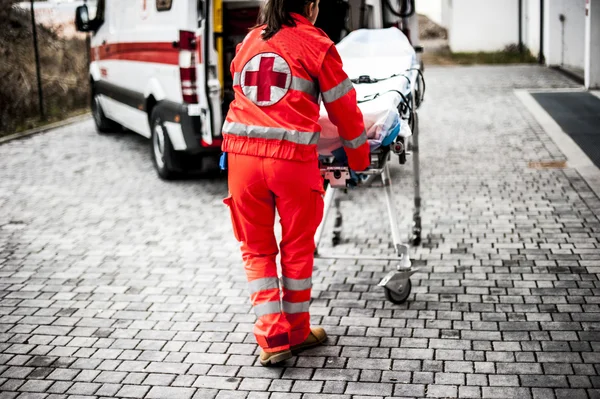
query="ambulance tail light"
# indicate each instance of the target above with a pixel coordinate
(187, 66)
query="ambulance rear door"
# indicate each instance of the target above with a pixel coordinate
(207, 79)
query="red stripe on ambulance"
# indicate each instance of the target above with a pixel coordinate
(156, 52)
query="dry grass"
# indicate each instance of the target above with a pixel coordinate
(430, 30)
(510, 55)
(64, 70)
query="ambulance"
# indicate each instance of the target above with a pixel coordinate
(160, 68)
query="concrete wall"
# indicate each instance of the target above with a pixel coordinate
(481, 25)
(565, 40)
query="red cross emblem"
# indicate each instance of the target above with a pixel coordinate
(266, 79)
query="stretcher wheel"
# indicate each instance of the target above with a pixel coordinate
(398, 298)
(415, 238)
(336, 239)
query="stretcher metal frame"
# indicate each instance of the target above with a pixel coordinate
(397, 285)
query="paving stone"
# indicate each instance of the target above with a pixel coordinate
(59, 387)
(364, 388)
(543, 393)
(170, 392)
(230, 383)
(504, 380)
(83, 388)
(442, 391)
(336, 387)
(133, 391)
(506, 393)
(35, 386)
(544, 381)
(159, 379)
(109, 390)
(307, 386)
(409, 390)
(469, 392)
(232, 395)
(571, 394)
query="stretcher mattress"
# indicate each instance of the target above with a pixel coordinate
(378, 54)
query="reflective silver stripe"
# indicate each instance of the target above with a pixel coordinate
(263, 284)
(337, 92)
(272, 133)
(267, 308)
(299, 84)
(357, 142)
(299, 307)
(305, 86)
(294, 284)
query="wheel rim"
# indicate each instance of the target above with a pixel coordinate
(158, 143)
(97, 111)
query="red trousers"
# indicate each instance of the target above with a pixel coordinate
(259, 186)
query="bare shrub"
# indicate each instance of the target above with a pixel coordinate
(64, 70)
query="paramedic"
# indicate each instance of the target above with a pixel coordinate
(269, 136)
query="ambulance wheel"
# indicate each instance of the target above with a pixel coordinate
(161, 148)
(103, 124)
(398, 298)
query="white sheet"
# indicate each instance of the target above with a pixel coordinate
(378, 53)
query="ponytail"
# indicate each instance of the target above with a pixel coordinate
(277, 13)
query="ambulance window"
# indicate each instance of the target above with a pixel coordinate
(163, 5)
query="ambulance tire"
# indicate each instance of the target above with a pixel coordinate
(103, 124)
(165, 158)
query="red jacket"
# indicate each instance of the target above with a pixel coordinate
(277, 86)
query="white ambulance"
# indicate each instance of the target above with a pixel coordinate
(161, 67)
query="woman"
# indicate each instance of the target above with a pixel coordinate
(280, 71)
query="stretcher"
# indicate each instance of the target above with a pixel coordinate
(389, 84)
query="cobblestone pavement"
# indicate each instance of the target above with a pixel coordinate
(116, 284)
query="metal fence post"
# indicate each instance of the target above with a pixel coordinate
(37, 64)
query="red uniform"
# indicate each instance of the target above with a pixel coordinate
(270, 134)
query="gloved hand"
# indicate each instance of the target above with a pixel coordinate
(342, 158)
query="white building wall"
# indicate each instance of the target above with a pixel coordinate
(481, 25)
(447, 14)
(592, 53)
(531, 25)
(431, 8)
(566, 40)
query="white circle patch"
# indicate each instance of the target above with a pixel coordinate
(266, 79)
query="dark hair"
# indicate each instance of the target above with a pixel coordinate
(277, 13)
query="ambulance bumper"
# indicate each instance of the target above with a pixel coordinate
(189, 133)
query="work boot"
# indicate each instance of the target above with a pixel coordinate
(272, 358)
(316, 337)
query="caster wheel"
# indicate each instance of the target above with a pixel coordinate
(415, 239)
(398, 298)
(336, 240)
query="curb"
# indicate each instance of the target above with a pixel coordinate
(42, 129)
(575, 156)
(569, 74)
